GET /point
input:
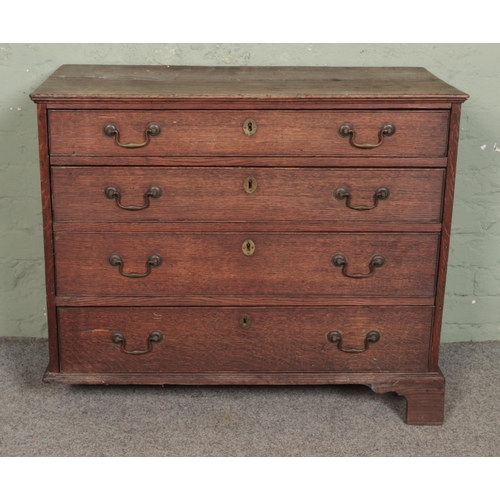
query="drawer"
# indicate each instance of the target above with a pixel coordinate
(202, 339)
(210, 194)
(221, 133)
(398, 264)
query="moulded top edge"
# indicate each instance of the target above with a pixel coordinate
(105, 82)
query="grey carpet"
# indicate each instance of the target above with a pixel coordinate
(39, 419)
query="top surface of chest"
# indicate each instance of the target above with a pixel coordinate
(153, 83)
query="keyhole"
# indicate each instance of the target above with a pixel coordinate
(245, 321)
(248, 247)
(250, 127)
(250, 185)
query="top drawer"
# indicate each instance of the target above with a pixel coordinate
(248, 133)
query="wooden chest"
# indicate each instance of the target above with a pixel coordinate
(248, 225)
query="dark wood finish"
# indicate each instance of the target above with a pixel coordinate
(211, 339)
(218, 194)
(214, 263)
(424, 392)
(240, 300)
(179, 83)
(445, 235)
(43, 143)
(259, 161)
(381, 381)
(279, 133)
(250, 103)
(264, 318)
(425, 397)
(249, 227)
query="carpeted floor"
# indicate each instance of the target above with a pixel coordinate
(39, 419)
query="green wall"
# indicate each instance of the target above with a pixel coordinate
(472, 307)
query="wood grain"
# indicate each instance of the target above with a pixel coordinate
(252, 161)
(246, 102)
(218, 194)
(379, 381)
(445, 237)
(288, 286)
(106, 82)
(424, 395)
(423, 391)
(249, 227)
(214, 263)
(240, 300)
(43, 142)
(211, 339)
(279, 133)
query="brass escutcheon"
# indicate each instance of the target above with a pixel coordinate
(250, 127)
(245, 321)
(248, 247)
(250, 184)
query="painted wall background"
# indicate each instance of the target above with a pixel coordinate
(472, 307)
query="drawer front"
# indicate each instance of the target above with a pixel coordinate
(222, 133)
(199, 339)
(246, 194)
(88, 264)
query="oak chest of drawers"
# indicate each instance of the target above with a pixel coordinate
(248, 226)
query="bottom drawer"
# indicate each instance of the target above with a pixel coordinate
(244, 339)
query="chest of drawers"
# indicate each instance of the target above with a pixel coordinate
(248, 226)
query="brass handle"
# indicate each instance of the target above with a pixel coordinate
(340, 260)
(113, 193)
(335, 337)
(153, 337)
(111, 130)
(382, 193)
(347, 130)
(116, 260)
(250, 127)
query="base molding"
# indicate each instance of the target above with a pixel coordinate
(382, 382)
(424, 391)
